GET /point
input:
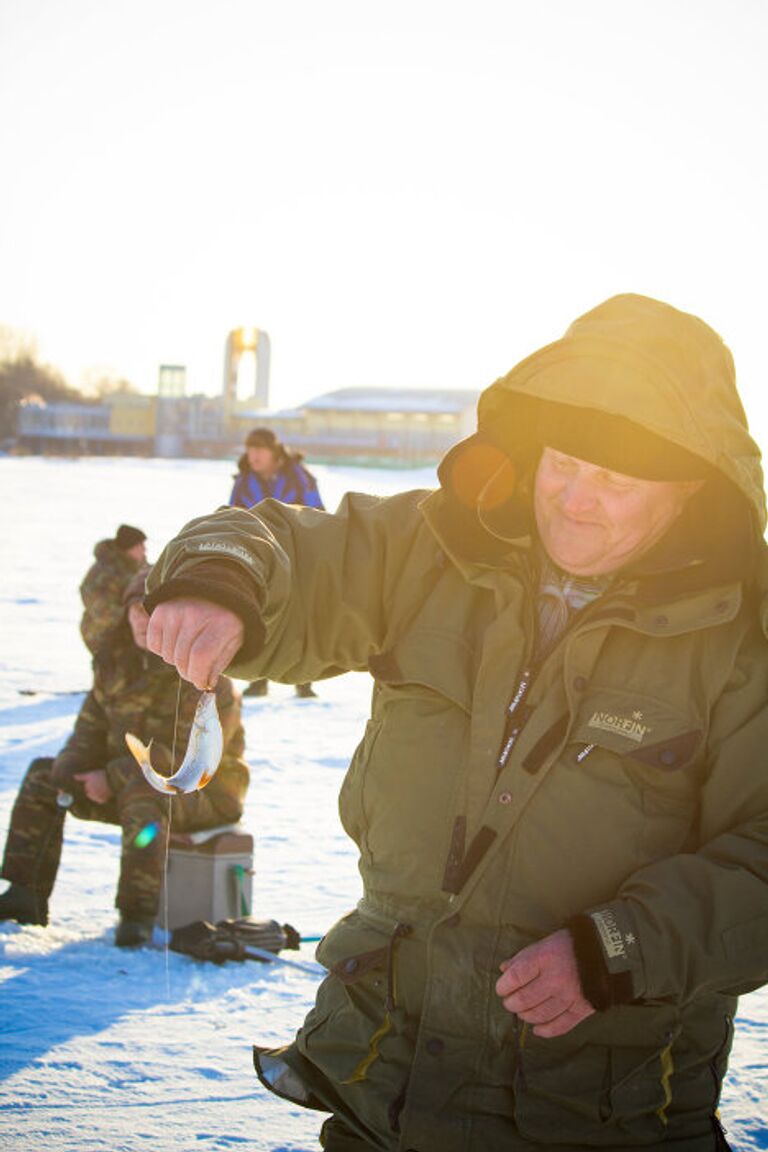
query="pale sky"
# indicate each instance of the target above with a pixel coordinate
(410, 193)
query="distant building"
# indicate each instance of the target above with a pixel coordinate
(364, 425)
(410, 425)
(121, 426)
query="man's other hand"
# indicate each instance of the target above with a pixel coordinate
(541, 985)
(95, 785)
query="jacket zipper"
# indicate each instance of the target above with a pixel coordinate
(518, 711)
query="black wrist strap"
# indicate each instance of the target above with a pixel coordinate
(601, 987)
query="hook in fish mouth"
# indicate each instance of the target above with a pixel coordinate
(201, 759)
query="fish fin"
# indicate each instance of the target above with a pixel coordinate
(138, 750)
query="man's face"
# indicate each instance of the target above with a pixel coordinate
(592, 521)
(138, 552)
(261, 460)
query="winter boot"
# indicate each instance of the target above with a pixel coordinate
(23, 905)
(257, 688)
(133, 933)
(305, 692)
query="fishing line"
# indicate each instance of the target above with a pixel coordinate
(166, 929)
(165, 902)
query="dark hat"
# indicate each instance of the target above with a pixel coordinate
(521, 425)
(262, 438)
(615, 443)
(127, 536)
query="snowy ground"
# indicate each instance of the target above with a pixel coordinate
(107, 1051)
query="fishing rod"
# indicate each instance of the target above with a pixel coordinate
(52, 691)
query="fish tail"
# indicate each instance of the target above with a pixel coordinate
(139, 751)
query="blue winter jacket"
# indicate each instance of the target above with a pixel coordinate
(292, 484)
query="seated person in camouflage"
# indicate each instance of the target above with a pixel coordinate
(116, 562)
(95, 778)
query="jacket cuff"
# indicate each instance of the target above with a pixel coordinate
(63, 771)
(223, 584)
(604, 982)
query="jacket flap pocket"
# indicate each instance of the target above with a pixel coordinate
(353, 968)
(352, 948)
(642, 728)
(672, 752)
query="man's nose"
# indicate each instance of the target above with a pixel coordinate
(578, 495)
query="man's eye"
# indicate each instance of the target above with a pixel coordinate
(616, 483)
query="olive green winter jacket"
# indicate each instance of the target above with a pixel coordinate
(621, 783)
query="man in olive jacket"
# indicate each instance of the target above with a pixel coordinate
(560, 800)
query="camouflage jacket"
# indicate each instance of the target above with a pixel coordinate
(102, 593)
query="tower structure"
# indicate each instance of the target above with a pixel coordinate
(240, 342)
(171, 411)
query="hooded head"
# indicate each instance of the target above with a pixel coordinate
(634, 386)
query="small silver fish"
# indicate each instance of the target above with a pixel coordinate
(201, 759)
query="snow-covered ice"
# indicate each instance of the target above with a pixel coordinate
(103, 1050)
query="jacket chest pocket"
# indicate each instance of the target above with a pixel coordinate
(652, 751)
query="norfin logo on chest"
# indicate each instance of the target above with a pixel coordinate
(630, 726)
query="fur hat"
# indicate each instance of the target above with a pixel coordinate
(262, 438)
(127, 536)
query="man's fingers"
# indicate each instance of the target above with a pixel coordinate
(204, 662)
(518, 972)
(545, 1012)
(199, 638)
(543, 1004)
(565, 1021)
(162, 631)
(527, 1000)
(554, 1017)
(210, 651)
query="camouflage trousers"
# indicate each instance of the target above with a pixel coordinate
(36, 833)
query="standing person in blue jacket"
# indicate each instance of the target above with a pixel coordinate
(268, 469)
